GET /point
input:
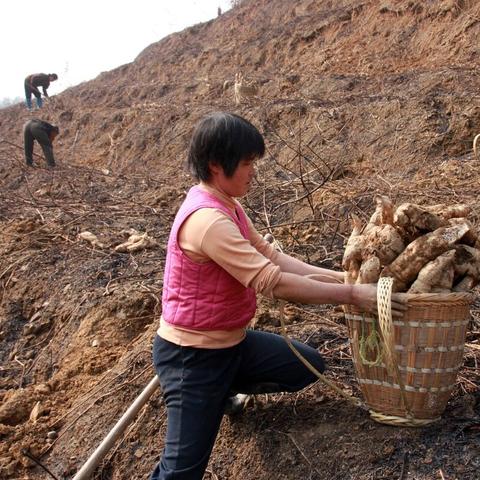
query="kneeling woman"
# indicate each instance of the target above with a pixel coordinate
(216, 264)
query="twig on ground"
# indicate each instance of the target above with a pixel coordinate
(39, 463)
(212, 473)
(292, 439)
(403, 468)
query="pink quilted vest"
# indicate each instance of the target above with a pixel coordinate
(204, 296)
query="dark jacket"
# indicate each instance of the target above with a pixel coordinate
(40, 131)
(38, 127)
(38, 80)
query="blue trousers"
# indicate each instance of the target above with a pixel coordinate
(196, 383)
(28, 96)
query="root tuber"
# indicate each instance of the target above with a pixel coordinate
(436, 276)
(369, 271)
(353, 250)
(405, 268)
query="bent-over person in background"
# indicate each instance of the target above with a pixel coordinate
(216, 264)
(44, 133)
(32, 82)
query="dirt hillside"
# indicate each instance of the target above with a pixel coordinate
(354, 98)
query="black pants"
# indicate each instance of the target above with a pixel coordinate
(196, 383)
(30, 134)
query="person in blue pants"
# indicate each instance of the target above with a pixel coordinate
(32, 84)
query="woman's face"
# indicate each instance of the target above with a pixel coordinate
(239, 183)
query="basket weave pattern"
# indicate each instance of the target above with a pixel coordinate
(428, 347)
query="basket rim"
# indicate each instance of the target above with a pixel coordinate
(454, 298)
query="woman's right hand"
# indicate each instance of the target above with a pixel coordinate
(365, 298)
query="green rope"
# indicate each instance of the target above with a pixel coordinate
(370, 344)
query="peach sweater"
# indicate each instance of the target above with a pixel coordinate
(208, 234)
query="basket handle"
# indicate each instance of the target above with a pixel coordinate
(384, 305)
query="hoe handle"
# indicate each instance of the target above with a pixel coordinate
(91, 464)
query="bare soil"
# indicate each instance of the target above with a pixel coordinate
(355, 98)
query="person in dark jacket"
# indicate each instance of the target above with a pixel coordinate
(32, 82)
(44, 133)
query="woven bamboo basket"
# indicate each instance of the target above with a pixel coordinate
(427, 347)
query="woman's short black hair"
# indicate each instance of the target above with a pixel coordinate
(224, 139)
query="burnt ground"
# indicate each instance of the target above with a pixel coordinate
(355, 98)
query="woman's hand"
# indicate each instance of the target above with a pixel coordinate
(365, 298)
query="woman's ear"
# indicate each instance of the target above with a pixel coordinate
(215, 168)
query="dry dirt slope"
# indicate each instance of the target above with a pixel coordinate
(355, 98)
